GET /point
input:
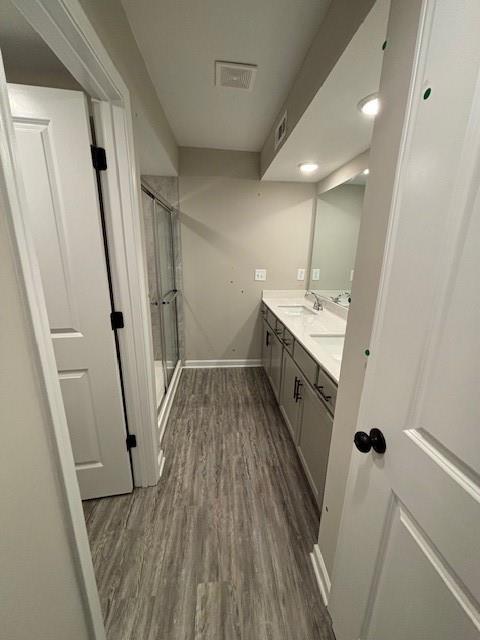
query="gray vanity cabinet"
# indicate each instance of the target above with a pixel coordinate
(314, 444)
(306, 396)
(309, 422)
(288, 398)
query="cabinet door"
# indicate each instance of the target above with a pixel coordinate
(276, 364)
(289, 405)
(266, 347)
(315, 434)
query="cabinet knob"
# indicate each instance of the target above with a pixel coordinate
(374, 440)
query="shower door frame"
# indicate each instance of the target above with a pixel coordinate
(159, 201)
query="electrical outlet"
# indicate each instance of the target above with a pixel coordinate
(260, 274)
(300, 274)
(315, 274)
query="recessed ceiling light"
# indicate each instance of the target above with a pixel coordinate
(366, 172)
(370, 105)
(308, 167)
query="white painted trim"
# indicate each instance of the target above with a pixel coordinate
(221, 364)
(166, 405)
(29, 275)
(321, 573)
(67, 31)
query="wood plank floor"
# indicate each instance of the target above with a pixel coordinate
(219, 550)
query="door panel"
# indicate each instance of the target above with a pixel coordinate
(53, 138)
(415, 512)
(266, 347)
(77, 398)
(288, 402)
(413, 567)
(276, 364)
(314, 442)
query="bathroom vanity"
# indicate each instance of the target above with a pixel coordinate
(301, 353)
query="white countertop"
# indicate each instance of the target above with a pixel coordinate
(332, 321)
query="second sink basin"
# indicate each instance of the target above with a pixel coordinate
(333, 344)
(296, 310)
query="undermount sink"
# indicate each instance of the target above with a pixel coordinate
(296, 310)
(333, 344)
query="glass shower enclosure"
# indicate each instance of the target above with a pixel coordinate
(159, 220)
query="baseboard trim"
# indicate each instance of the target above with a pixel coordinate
(166, 406)
(221, 364)
(321, 573)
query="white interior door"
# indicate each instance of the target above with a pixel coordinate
(408, 557)
(53, 138)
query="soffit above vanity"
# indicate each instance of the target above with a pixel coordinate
(332, 130)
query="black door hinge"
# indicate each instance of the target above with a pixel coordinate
(131, 441)
(116, 318)
(99, 158)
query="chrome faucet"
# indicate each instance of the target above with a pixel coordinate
(318, 304)
(338, 299)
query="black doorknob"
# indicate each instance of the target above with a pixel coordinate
(374, 440)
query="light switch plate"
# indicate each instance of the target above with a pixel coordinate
(260, 274)
(351, 275)
(300, 274)
(315, 274)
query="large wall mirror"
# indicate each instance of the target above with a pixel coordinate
(335, 237)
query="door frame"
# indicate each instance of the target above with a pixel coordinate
(66, 29)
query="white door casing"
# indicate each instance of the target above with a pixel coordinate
(408, 557)
(53, 137)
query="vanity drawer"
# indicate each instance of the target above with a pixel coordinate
(306, 363)
(327, 389)
(288, 341)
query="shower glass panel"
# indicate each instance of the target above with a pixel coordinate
(166, 285)
(158, 224)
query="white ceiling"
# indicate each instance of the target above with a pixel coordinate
(332, 130)
(180, 41)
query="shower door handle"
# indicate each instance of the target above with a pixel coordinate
(169, 296)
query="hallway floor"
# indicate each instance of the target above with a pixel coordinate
(220, 549)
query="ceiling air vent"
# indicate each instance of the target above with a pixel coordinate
(280, 131)
(235, 75)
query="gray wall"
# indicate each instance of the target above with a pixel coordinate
(232, 223)
(336, 235)
(158, 149)
(40, 594)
